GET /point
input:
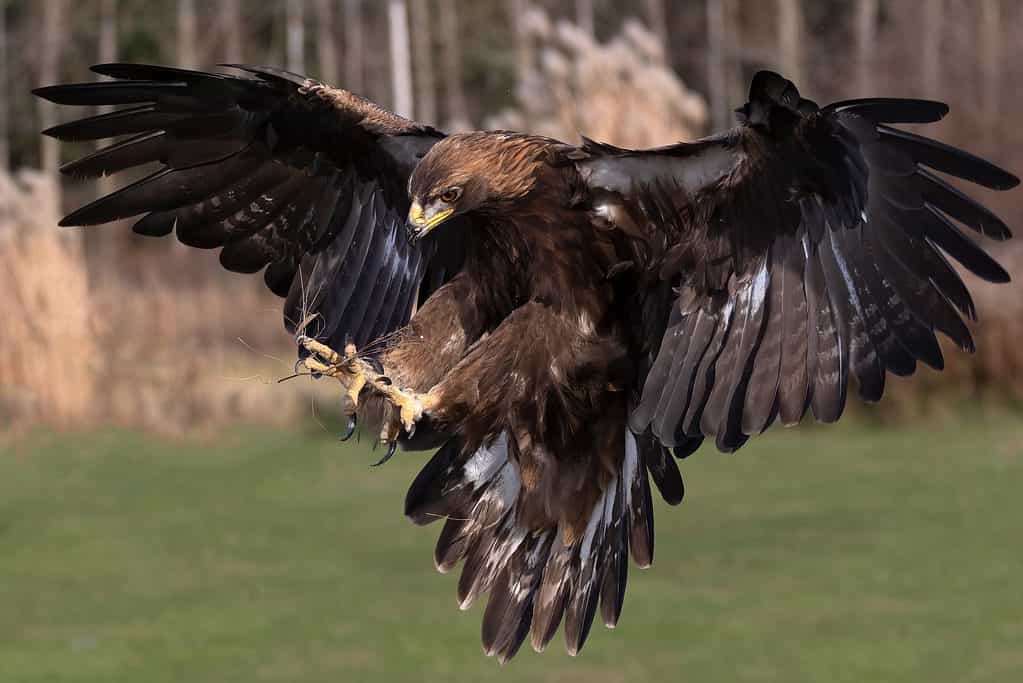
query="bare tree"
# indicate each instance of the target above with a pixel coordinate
(584, 16)
(451, 59)
(422, 47)
(991, 63)
(49, 61)
(866, 44)
(107, 49)
(517, 11)
(401, 60)
(658, 20)
(5, 149)
(326, 51)
(930, 52)
(187, 40)
(736, 52)
(790, 41)
(353, 45)
(716, 79)
(231, 26)
(295, 31)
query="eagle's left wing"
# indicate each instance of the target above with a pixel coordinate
(283, 174)
(804, 245)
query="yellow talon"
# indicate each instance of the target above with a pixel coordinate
(314, 365)
(410, 409)
(329, 354)
(355, 388)
(356, 373)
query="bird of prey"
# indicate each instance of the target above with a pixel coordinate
(560, 322)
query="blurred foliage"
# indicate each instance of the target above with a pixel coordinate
(156, 357)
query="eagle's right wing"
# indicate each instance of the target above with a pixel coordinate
(279, 171)
(807, 246)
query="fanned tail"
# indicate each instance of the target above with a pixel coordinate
(539, 576)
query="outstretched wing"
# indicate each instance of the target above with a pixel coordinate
(277, 170)
(806, 245)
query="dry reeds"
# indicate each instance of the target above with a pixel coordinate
(45, 334)
(153, 351)
(622, 91)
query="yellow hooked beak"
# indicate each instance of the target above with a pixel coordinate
(420, 223)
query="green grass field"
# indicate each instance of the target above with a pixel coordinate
(841, 554)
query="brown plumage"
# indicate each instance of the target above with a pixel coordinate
(558, 317)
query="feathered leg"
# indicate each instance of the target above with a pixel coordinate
(389, 386)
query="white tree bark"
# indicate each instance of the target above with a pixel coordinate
(5, 148)
(933, 11)
(353, 45)
(451, 60)
(188, 50)
(49, 60)
(866, 45)
(295, 35)
(231, 27)
(991, 64)
(716, 78)
(326, 50)
(422, 46)
(790, 41)
(658, 19)
(107, 49)
(584, 17)
(401, 59)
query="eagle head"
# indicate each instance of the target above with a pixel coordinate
(476, 172)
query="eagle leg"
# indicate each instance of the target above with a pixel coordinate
(355, 374)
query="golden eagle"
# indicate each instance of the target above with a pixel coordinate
(561, 322)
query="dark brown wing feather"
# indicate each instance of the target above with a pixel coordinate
(806, 245)
(278, 171)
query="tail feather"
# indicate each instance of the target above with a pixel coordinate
(588, 577)
(509, 610)
(616, 558)
(540, 575)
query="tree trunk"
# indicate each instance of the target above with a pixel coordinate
(517, 11)
(716, 79)
(451, 60)
(107, 50)
(5, 148)
(584, 17)
(931, 49)
(326, 50)
(422, 45)
(736, 86)
(866, 45)
(790, 41)
(231, 26)
(353, 45)
(188, 56)
(401, 61)
(295, 41)
(103, 246)
(49, 61)
(658, 21)
(991, 66)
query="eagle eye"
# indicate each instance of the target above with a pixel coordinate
(451, 195)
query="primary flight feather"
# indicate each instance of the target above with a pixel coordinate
(561, 322)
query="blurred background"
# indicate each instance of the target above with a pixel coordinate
(169, 512)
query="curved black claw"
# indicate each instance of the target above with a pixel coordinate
(391, 448)
(350, 430)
